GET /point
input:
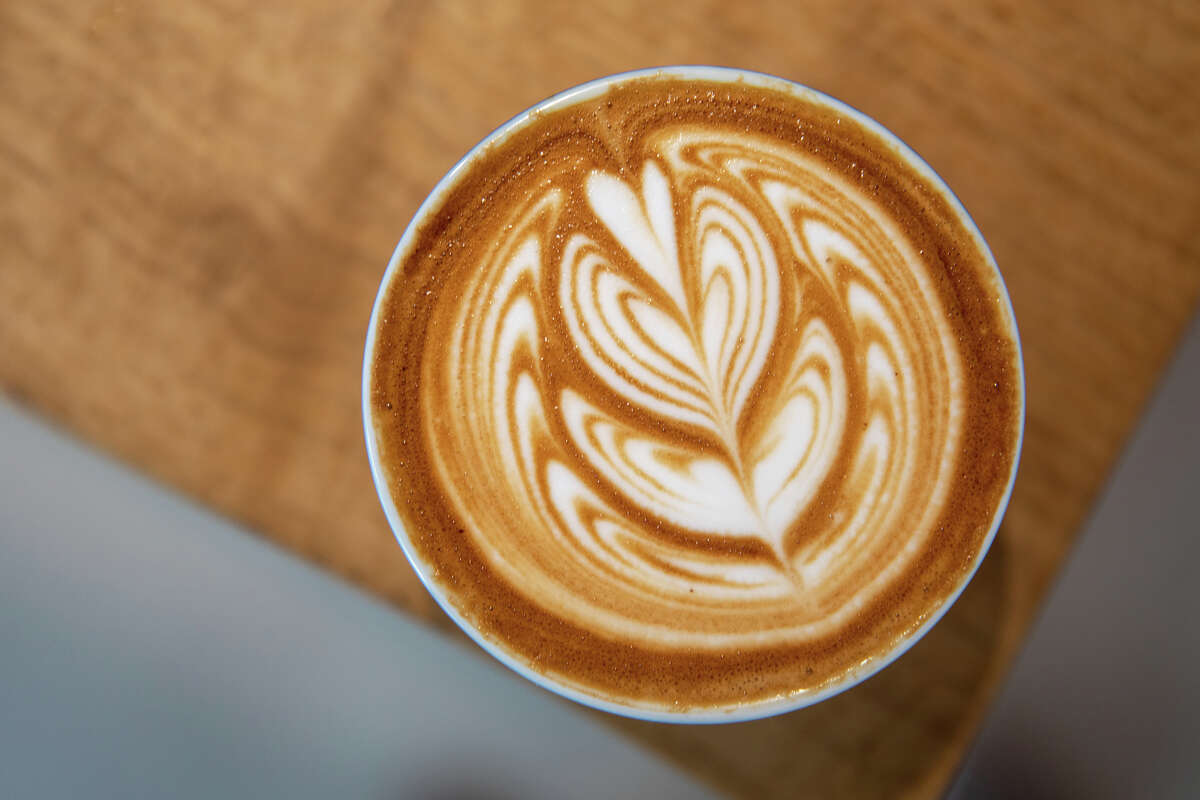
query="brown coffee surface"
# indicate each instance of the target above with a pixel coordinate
(695, 395)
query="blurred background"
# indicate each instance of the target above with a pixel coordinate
(152, 649)
(198, 592)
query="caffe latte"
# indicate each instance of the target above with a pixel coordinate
(692, 393)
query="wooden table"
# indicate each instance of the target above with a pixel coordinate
(197, 201)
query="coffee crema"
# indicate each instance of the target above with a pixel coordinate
(695, 395)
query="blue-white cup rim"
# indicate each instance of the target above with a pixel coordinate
(573, 96)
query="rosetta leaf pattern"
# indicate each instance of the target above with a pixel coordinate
(687, 340)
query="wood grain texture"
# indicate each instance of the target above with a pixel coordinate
(197, 202)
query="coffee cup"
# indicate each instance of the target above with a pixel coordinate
(693, 395)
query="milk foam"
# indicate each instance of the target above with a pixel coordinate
(724, 400)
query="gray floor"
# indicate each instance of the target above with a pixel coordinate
(151, 649)
(1105, 700)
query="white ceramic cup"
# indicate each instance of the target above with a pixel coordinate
(433, 202)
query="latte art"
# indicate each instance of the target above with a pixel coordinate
(682, 401)
(681, 321)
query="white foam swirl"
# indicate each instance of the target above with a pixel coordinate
(759, 336)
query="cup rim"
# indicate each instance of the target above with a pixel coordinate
(564, 99)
